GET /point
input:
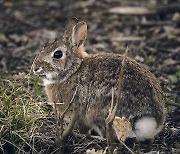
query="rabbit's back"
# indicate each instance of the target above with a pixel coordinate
(100, 73)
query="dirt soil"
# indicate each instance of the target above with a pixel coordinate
(151, 29)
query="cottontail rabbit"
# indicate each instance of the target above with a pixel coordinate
(66, 67)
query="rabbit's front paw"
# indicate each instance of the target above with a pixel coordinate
(121, 127)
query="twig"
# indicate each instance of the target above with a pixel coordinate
(63, 114)
(13, 132)
(119, 91)
(109, 120)
(1, 147)
(111, 116)
(126, 147)
(120, 81)
(14, 145)
(79, 148)
(112, 100)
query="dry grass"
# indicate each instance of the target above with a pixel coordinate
(21, 115)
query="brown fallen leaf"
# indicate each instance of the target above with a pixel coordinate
(121, 127)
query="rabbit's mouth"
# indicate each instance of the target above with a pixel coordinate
(51, 75)
(39, 72)
(41, 75)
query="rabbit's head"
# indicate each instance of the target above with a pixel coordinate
(63, 57)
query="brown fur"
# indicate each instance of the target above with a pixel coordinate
(94, 76)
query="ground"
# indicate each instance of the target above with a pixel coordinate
(150, 28)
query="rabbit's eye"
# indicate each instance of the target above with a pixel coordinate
(58, 54)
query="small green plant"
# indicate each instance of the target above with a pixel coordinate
(19, 114)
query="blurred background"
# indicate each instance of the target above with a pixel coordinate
(151, 29)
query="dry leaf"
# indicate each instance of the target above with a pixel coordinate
(121, 127)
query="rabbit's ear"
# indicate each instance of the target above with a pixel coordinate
(69, 28)
(79, 34)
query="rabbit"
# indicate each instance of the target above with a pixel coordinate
(66, 67)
